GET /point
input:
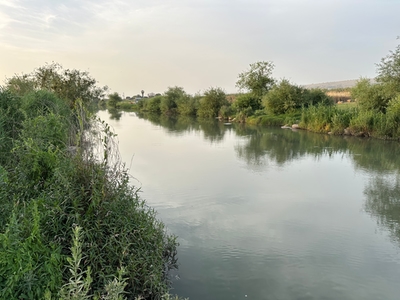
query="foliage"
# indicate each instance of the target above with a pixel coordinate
(266, 120)
(188, 105)
(389, 71)
(114, 99)
(257, 79)
(172, 96)
(30, 266)
(370, 96)
(42, 102)
(245, 101)
(63, 173)
(11, 118)
(67, 84)
(283, 97)
(78, 286)
(211, 103)
(152, 104)
(315, 96)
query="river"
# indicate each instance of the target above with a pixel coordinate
(269, 213)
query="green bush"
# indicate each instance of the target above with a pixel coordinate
(283, 97)
(188, 105)
(11, 118)
(211, 103)
(315, 96)
(30, 266)
(152, 104)
(244, 101)
(370, 96)
(47, 190)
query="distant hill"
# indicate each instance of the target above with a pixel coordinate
(334, 84)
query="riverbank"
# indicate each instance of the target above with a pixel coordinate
(71, 225)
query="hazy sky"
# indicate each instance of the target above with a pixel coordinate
(196, 44)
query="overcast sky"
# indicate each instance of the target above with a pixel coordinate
(196, 44)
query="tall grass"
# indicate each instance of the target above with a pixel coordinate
(62, 172)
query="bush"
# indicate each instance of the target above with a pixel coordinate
(244, 101)
(47, 190)
(370, 96)
(152, 104)
(11, 118)
(316, 96)
(283, 97)
(211, 103)
(188, 105)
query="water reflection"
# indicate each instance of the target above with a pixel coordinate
(280, 146)
(296, 230)
(383, 203)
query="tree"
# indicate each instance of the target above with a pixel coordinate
(211, 103)
(257, 79)
(389, 71)
(245, 101)
(114, 99)
(370, 96)
(169, 102)
(283, 97)
(69, 85)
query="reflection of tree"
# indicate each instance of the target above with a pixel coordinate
(115, 114)
(213, 130)
(282, 146)
(383, 203)
(270, 144)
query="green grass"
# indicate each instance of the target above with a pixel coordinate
(347, 105)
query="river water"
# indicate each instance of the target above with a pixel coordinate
(269, 213)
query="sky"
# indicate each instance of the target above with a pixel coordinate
(197, 44)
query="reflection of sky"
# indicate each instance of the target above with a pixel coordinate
(295, 231)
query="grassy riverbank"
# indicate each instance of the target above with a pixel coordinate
(71, 225)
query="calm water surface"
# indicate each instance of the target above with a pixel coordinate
(268, 213)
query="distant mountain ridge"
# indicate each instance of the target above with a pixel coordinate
(335, 84)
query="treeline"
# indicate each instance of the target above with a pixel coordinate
(71, 225)
(279, 102)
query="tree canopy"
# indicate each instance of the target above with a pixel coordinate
(68, 84)
(257, 79)
(389, 69)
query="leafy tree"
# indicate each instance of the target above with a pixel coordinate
(67, 84)
(171, 98)
(153, 104)
(211, 103)
(245, 101)
(114, 99)
(257, 79)
(370, 96)
(389, 71)
(283, 97)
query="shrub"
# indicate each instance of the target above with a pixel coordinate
(370, 96)
(316, 96)
(152, 104)
(244, 101)
(211, 103)
(188, 105)
(283, 97)
(11, 118)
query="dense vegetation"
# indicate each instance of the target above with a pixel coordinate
(71, 225)
(267, 101)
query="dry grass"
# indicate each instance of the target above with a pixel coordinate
(339, 96)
